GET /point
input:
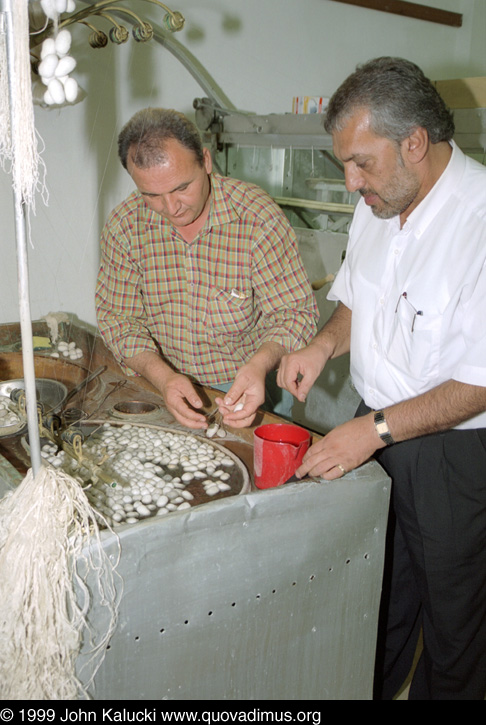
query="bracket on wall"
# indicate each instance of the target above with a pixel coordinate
(411, 10)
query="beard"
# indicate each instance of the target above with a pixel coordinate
(401, 190)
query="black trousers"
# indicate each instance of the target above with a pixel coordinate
(435, 571)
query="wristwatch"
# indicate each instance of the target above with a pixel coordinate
(382, 428)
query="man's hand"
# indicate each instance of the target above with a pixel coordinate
(343, 449)
(179, 394)
(180, 398)
(246, 395)
(299, 370)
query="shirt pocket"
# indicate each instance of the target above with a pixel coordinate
(230, 313)
(414, 346)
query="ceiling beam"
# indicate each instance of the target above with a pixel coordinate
(411, 10)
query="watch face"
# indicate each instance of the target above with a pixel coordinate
(382, 429)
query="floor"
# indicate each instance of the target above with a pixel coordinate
(403, 694)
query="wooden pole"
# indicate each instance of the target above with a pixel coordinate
(411, 10)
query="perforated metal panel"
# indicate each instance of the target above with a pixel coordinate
(266, 596)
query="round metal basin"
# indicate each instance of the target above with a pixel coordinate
(50, 393)
(65, 372)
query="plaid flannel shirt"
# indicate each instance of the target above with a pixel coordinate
(205, 306)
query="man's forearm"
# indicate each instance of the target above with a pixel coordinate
(151, 366)
(352, 443)
(335, 335)
(437, 410)
(267, 357)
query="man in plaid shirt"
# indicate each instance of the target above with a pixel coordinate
(201, 278)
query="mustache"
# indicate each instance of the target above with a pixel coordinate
(367, 192)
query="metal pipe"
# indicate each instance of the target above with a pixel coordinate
(185, 57)
(22, 261)
(195, 68)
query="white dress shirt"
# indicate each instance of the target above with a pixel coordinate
(418, 294)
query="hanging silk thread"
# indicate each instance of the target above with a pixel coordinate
(19, 153)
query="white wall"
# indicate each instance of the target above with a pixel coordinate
(260, 52)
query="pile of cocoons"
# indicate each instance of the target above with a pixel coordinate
(55, 62)
(68, 350)
(153, 471)
(7, 416)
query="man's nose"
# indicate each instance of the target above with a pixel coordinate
(171, 204)
(353, 178)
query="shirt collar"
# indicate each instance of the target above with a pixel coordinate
(439, 195)
(221, 210)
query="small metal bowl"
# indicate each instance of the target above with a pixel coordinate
(135, 407)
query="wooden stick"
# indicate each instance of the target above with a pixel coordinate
(411, 10)
(321, 282)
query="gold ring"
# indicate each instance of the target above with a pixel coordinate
(341, 468)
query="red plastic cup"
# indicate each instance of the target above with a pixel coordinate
(278, 450)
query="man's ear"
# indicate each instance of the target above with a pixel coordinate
(208, 161)
(414, 148)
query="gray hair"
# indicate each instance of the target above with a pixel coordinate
(399, 98)
(149, 129)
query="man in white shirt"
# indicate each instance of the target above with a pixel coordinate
(412, 313)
